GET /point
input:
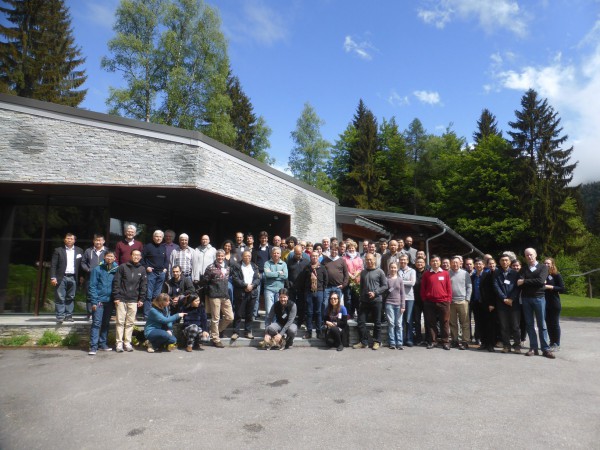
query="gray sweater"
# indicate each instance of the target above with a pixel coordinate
(461, 285)
(372, 281)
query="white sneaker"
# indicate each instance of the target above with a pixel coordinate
(128, 347)
(150, 348)
(92, 352)
(119, 348)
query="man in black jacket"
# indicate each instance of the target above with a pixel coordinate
(64, 271)
(245, 278)
(532, 283)
(297, 261)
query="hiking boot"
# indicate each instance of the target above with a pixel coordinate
(171, 347)
(376, 345)
(360, 345)
(188, 348)
(234, 336)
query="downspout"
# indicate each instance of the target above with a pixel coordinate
(431, 239)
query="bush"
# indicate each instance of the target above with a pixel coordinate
(569, 265)
(50, 338)
(71, 340)
(15, 341)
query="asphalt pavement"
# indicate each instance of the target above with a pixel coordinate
(247, 398)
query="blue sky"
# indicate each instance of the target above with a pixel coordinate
(441, 61)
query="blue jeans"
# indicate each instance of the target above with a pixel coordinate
(326, 295)
(536, 306)
(64, 298)
(394, 317)
(156, 280)
(407, 322)
(158, 338)
(314, 301)
(256, 305)
(100, 325)
(270, 298)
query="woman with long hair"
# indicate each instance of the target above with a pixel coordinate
(554, 287)
(336, 318)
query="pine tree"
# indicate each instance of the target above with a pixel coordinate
(486, 126)
(310, 153)
(415, 138)
(543, 166)
(39, 58)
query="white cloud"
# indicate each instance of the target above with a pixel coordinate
(362, 49)
(491, 14)
(396, 99)
(263, 23)
(570, 89)
(431, 98)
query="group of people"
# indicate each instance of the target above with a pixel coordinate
(315, 287)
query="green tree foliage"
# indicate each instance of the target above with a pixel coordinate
(394, 165)
(543, 168)
(174, 59)
(308, 157)
(38, 57)
(486, 126)
(590, 199)
(415, 137)
(252, 133)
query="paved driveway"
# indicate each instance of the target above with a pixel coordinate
(303, 398)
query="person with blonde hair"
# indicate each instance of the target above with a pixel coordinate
(554, 287)
(159, 325)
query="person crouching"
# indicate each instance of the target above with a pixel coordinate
(159, 324)
(194, 322)
(280, 328)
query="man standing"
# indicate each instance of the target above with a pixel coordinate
(532, 283)
(418, 306)
(337, 276)
(125, 246)
(507, 305)
(436, 292)
(183, 257)
(92, 257)
(410, 251)
(275, 274)
(373, 284)
(216, 278)
(154, 259)
(205, 255)
(129, 292)
(476, 302)
(245, 279)
(170, 245)
(296, 264)
(64, 270)
(290, 243)
(391, 256)
(100, 294)
(372, 249)
(260, 255)
(240, 247)
(459, 308)
(325, 245)
(315, 282)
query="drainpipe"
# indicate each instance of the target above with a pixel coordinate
(431, 239)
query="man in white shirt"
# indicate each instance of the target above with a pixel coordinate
(64, 271)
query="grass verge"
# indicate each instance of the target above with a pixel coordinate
(14, 341)
(573, 306)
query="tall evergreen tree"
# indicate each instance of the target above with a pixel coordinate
(252, 133)
(543, 165)
(415, 138)
(487, 125)
(310, 153)
(39, 58)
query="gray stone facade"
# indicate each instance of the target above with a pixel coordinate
(44, 143)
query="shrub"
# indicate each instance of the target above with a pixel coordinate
(15, 341)
(50, 338)
(569, 265)
(71, 340)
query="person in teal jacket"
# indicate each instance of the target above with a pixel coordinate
(275, 275)
(159, 324)
(100, 295)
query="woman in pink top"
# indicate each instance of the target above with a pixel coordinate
(355, 266)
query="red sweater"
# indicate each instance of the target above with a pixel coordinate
(436, 287)
(123, 250)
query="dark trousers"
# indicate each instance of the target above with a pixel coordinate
(417, 313)
(488, 327)
(244, 309)
(333, 337)
(510, 325)
(478, 313)
(553, 308)
(435, 311)
(364, 308)
(299, 298)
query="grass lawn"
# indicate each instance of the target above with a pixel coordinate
(573, 306)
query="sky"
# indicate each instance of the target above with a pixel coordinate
(441, 61)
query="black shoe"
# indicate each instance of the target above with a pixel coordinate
(69, 319)
(446, 347)
(399, 347)
(409, 344)
(339, 348)
(307, 335)
(490, 349)
(549, 354)
(392, 347)
(59, 321)
(429, 346)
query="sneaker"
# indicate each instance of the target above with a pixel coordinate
(303, 327)
(218, 344)
(340, 348)
(171, 347)
(505, 350)
(446, 347)
(59, 321)
(119, 348)
(128, 347)
(460, 346)
(392, 347)
(69, 319)
(234, 336)
(360, 345)
(376, 345)
(554, 348)
(399, 347)
(188, 348)
(106, 349)
(249, 336)
(92, 352)
(150, 349)
(429, 346)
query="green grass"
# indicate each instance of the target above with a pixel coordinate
(71, 340)
(50, 338)
(14, 341)
(573, 306)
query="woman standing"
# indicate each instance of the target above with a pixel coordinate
(395, 304)
(554, 286)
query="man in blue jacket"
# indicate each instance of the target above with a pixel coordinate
(507, 304)
(100, 295)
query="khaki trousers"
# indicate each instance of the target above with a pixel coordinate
(125, 319)
(216, 307)
(459, 312)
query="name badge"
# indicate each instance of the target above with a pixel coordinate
(339, 315)
(506, 281)
(283, 316)
(549, 277)
(441, 278)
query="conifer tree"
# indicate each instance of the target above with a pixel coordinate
(486, 126)
(38, 56)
